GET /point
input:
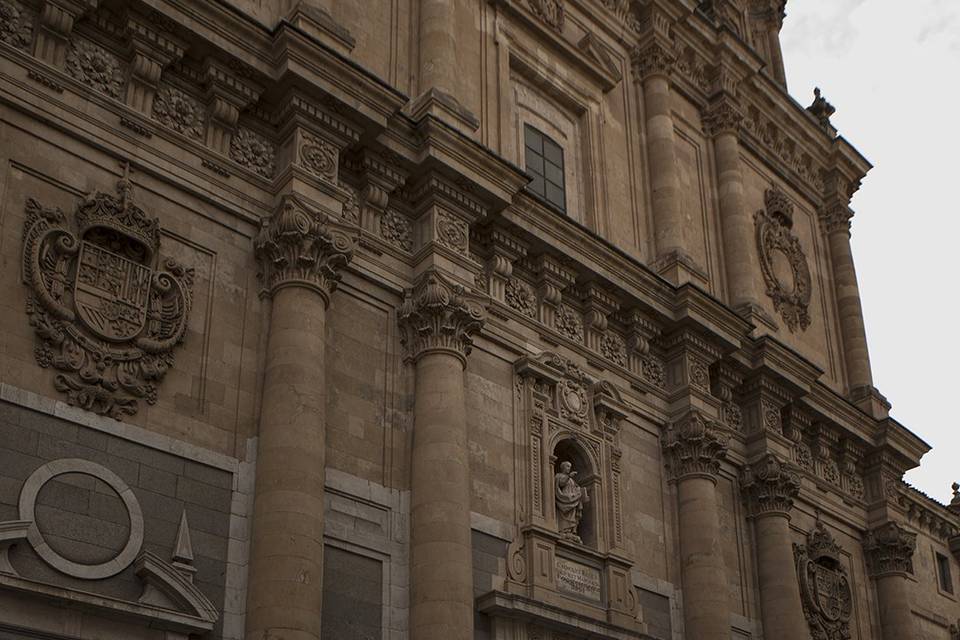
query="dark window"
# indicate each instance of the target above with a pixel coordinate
(943, 573)
(544, 159)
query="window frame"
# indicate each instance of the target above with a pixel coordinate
(541, 175)
(942, 569)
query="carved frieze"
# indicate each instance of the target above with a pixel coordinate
(16, 24)
(569, 323)
(782, 261)
(769, 486)
(179, 111)
(550, 11)
(397, 229)
(889, 550)
(107, 310)
(824, 586)
(95, 67)
(722, 117)
(251, 150)
(613, 348)
(439, 316)
(520, 297)
(300, 247)
(780, 145)
(694, 446)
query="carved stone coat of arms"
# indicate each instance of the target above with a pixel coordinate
(824, 586)
(106, 309)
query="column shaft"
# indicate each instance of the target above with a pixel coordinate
(286, 562)
(736, 225)
(668, 220)
(849, 310)
(706, 602)
(893, 599)
(780, 603)
(441, 558)
(438, 50)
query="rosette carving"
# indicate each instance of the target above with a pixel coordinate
(889, 550)
(107, 311)
(769, 486)
(780, 252)
(694, 446)
(439, 316)
(298, 247)
(96, 67)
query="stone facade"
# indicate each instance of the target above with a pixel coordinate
(292, 347)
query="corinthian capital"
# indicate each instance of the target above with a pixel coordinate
(694, 446)
(889, 550)
(652, 59)
(439, 316)
(769, 486)
(722, 117)
(297, 247)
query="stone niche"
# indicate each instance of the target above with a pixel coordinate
(567, 554)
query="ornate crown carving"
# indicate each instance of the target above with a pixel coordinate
(779, 205)
(118, 214)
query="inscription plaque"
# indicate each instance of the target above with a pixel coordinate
(577, 578)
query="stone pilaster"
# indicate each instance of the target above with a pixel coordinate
(227, 95)
(598, 304)
(437, 321)
(769, 486)
(502, 250)
(693, 448)
(300, 255)
(888, 550)
(653, 60)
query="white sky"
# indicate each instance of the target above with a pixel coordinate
(892, 70)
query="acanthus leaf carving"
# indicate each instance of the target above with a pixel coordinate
(775, 235)
(694, 446)
(889, 549)
(107, 316)
(300, 247)
(251, 150)
(397, 229)
(569, 323)
(179, 111)
(520, 297)
(439, 316)
(769, 486)
(16, 24)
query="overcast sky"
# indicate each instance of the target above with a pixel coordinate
(892, 70)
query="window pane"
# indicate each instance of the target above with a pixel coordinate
(555, 196)
(532, 138)
(536, 185)
(534, 163)
(554, 174)
(553, 152)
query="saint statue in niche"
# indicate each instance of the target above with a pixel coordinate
(570, 498)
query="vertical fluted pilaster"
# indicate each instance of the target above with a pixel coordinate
(437, 321)
(300, 255)
(693, 448)
(769, 487)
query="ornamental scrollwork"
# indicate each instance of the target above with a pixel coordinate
(824, 586)
(96, 67)
(107, 310)
(775, 238)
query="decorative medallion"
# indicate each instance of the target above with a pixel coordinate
(253, 151)
(782, 261)
(569, 323)
(95, 67)
(521, 297)
(573, 401)
(175, 109)
(614, 349)
(396, 229)
(452, 232)
(824, 586)
(107, 310)
(319, 158)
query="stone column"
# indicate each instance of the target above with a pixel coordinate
(722, 122)
(836, 219)
(889, 553)
(300, 254)
(437, 321)
(769, 487)
(693, 448)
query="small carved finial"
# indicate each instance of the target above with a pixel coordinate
(820, 108)
(183, 549)
(955, 503)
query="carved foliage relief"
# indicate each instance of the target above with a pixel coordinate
(824, 586)
(96, 67)
(107, 310)
(179, 111)
(782, 261)
(16, 24)
(253, 151)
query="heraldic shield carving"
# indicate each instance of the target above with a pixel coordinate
(824, 586)
(106, 309)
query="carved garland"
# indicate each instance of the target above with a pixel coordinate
(106, 317)
(774, 235)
